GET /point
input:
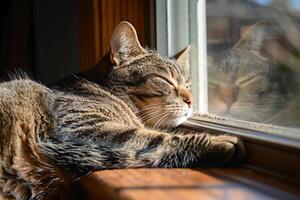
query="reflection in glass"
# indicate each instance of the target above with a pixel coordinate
(254, 60)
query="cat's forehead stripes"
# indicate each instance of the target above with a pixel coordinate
(133, 59)
(175, 71)
(152, 59)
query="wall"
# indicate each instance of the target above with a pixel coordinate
(51, 39)
(97, 19)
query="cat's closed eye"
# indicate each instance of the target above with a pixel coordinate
(166, 81)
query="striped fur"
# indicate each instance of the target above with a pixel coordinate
(49, 139)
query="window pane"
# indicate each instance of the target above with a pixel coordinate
(253, 60)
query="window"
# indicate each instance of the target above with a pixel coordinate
(245, 62)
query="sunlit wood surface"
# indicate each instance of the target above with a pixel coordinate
(187, 184)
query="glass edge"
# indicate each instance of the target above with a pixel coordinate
(267, 133)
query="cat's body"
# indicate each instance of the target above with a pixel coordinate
(49, 139)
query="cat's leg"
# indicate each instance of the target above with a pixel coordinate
(159, 149)
(131, 147)
(162, 149)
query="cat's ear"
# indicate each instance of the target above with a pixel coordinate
(252, 38)
(124, 43)
(183, 59)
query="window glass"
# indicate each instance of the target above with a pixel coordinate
(253, 60)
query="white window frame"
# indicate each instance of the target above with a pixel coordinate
(174, 33)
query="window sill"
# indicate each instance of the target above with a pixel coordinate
(185, 184)
(271, 171)
(267, 151)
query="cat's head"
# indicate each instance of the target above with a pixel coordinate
(158, 86)
(243, 84)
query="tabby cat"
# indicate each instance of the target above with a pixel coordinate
(49, 139)
(245, 85)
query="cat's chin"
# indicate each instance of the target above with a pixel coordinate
(176, 120)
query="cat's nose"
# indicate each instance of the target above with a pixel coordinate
(188, 101)
(186, 96)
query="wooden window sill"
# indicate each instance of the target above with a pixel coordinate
(187, 184)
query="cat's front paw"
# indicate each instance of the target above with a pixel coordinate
(226, 149)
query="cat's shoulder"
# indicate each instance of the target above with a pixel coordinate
(21, 83)
(85, 89)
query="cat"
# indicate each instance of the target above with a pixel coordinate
(245, 85)
(49, 138)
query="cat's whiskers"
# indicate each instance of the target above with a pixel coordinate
(164, 105)
(155, 104)
(146, 109)
(149, 107)
(160, 121)
(176, 111)
(168, 124)
(156, 116)
(149, 114)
